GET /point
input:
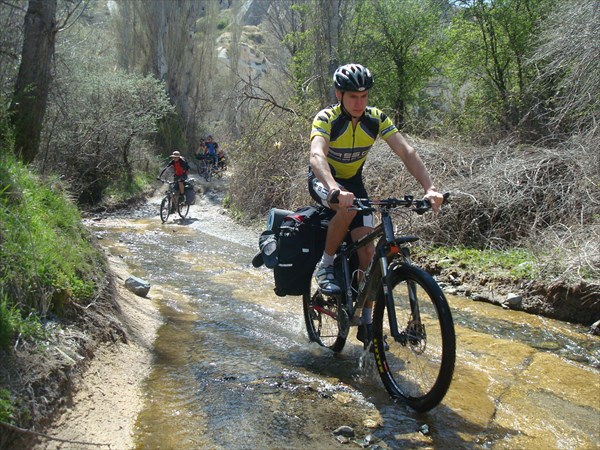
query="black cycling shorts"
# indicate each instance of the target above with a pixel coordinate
(355, 185)
(180, 177)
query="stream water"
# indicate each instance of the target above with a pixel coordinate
(234, 368)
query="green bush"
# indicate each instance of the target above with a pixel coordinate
(222, 24)
(7, 409)
(100, 130)
(47, 259)
(13, 325)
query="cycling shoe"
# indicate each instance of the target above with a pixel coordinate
(325, 278)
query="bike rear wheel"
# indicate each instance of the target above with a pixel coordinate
(165, 209)
(418, 365)
(326, 321)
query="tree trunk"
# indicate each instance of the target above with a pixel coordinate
(33, 81)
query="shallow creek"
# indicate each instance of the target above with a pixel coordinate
(234, 368)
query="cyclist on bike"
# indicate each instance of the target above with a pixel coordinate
(341, 137)
(212, 149)
(181, 168)
(201, 150)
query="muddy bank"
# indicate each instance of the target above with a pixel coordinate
(86, 388)
(577, 303)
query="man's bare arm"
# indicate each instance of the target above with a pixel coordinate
(416, 167)
(319, 147)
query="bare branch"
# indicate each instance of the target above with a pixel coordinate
(4, 2)
(65, 22)
(254, 92)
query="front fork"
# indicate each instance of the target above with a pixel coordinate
(380, 268)
(387, 253)
(347, 294)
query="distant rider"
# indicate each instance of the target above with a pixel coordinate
(212, 149)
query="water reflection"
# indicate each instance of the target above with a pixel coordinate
(566, 340)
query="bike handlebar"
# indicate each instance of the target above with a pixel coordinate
(365, 205)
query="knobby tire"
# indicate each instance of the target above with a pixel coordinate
(208, 172)
(165, 209)
(417, 368)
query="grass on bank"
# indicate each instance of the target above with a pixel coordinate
(515, 264)
(47, 259)
(123, 191)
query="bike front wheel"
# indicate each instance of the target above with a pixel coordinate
(165, 209)
(207, 172)
(417, 365)
(326, 321)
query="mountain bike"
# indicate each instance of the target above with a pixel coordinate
(207, 169)
(413, 341)
(203, 166)
(170, 202)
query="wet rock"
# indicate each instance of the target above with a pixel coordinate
(450, 290)
(137, 286)
(595, 328)
(513, 300)
(367, 441)
(424, 429)
(479, 297)
(371, 422)
(342, 439)
(342, 397)
(344, 431)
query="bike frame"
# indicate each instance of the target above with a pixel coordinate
(387, 249)
(173, 191)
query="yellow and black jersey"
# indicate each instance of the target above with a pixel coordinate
(348, 147)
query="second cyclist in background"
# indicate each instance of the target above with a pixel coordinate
(212, 149)
(341, 138)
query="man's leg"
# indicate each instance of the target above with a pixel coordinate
(365, 255)
(181, 192)
(336, 232)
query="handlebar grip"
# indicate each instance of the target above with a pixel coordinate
(425, 205)
(332, 197)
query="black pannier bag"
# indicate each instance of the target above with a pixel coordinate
(300, 244)
(190, 193)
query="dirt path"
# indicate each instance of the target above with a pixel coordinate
(108, 397)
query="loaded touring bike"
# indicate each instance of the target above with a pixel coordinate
(413, 332)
